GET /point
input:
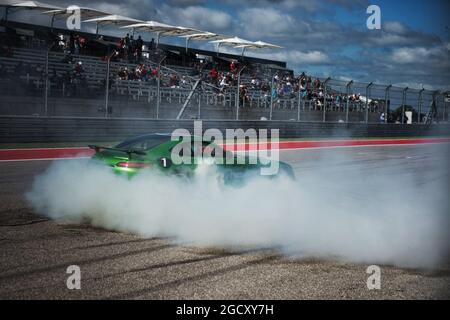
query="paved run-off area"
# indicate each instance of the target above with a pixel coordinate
(35, 251)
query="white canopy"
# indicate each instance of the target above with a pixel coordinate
(84, 11)
(260, 45)
(150, 26)
(161, 29)
(202, 37)
(113, 19)
(29, 5)
(235, 42)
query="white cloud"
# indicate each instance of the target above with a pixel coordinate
(266, 22)
(197, 17)
(296, 57)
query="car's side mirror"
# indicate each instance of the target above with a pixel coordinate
(165, 162)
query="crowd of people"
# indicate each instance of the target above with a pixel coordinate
(221, 79)
(72, 44)
(130, 49)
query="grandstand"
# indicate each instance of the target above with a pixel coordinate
(42, 73)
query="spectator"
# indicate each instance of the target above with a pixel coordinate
(139, 45)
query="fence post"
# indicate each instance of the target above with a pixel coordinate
(367, 101)
(158, 87)
(403, 104)
(299, 103)
(348, 100)
(271, 97)
(199, 105)
(325, 98)
(386, 99)
(238, 92)
(46, 84)
(435, 93)
(419, 107)
(443, 106)
(108, 61)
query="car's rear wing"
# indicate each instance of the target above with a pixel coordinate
(127, 151)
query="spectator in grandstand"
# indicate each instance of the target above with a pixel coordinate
(213, 75)
(382, 117)
(76, 45)
(82, 41)
(123, 73)
(174, 81)
(152, 44)
(139, 45)
(233, 66)
(79, 68)
(130, 48)
(121, 48)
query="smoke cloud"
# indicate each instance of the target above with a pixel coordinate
(382, 220)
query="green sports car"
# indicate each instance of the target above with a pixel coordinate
(154, 151)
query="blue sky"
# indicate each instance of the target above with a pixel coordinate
(321, 37)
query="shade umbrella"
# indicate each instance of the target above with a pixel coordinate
(113, 19)
(205, 36)
(261, 45)
(258, 45)
(160, 29)
(29, 5)
(234, 42)
(84, 12)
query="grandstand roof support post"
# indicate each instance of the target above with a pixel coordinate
(386, 100)
(52, 22)
(403, 104)
(218, 48)
(6, 13)
(348, 100)
(325, 99)
(419, 106)
(271, 97)
(158, 36)
(367, 101)
(187, 43)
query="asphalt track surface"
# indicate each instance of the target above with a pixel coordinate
(35, 252)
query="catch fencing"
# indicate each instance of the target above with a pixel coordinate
(53, 84)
